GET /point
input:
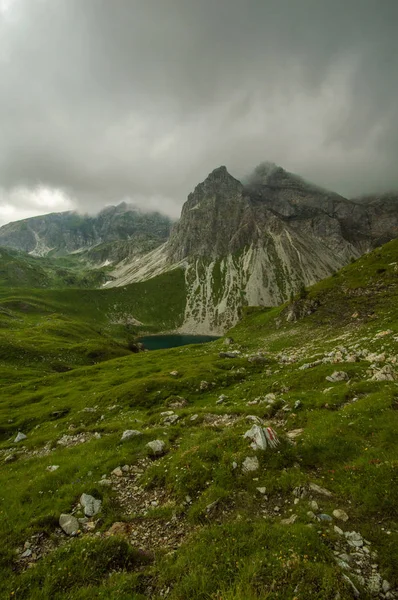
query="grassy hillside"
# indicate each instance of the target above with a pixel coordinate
(58, 329)
(19, 269)
(191, 523)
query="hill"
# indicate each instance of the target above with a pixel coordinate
(208, 515)
(47, 330)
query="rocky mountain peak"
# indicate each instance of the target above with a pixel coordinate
(218, 185)
(210, 218)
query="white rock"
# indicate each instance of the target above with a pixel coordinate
(262, 437)
(129, 433)
(257, 435)
(156, 447)
(289, 521)
(340, 514)
(374, 584)
(170, 420)
(338, 376)
(354, 539)
(386, 586)
(250, 464)
(52, 468)
(338, 530)
(262, 490)
(20, 436)
(69, 524)
(320, 490)
(91, 505)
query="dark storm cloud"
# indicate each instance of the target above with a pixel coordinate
(105, 101)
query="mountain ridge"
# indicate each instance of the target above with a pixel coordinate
(259, 242)
(250, 242)
(63, 233)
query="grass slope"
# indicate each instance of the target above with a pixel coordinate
(19, 269)
(59, 329)
(231, 541)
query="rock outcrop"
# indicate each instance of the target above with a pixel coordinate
(259, 241)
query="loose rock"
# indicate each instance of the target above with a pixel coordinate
(340, 514)
(91, 505)
(263, 437)
(250, 464)
(338, 376)
(69, 524)
(156, 447)
(233, 354)
(129, 433)
(320, 490)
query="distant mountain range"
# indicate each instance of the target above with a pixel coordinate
(59, 234)
(251, 242)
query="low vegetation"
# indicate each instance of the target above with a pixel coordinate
(317, 517)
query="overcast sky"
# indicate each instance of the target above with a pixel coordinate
(110, 100)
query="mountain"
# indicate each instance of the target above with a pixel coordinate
(258, 241)
(251, 242)
(58, 234)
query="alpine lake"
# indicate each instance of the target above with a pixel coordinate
(159, 342)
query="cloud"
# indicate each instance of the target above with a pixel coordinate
(103, 101)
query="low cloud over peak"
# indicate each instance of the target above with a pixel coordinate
(105, 101)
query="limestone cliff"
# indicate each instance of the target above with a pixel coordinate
(258, 241)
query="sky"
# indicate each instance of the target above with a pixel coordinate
(138, 100)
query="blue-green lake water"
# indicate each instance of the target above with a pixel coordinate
(157, 342)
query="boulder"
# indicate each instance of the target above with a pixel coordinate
(20, 436)
(129, 433)
(91, 505)
(69, 524)
(340, 514)
(354, 539)
(338, 376)
(156, 447)
(257, 435)
(262, 437)
(170, 420)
